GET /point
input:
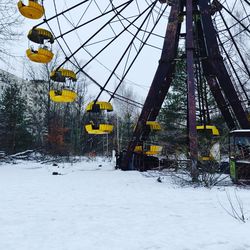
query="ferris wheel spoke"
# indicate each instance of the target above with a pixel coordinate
(245, 10)
(247, 2)
(142, 29)
(131, 64)
(124, 6)
(57, 18)
(84, 12)
(61, 13)
(88, 22)
(126, 50)
(128, 23)
(236, 19)
(103, 13)
(229, 58)
(114, 95)
(115, 38)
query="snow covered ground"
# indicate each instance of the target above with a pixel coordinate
(95, 207)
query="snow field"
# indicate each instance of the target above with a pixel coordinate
(99, 208)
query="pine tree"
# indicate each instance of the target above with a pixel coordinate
(173, 114)
(13, 131)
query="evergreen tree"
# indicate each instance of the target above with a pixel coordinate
(13, 131)
(173, 114)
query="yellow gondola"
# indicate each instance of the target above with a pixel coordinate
(138, 149)
(65, 92)
(33, 10)
(98, 124)
(101, 129)
(98, 106)
(61, 75)
(209, 146)
(43, 54)
(64, 95)
(39, 35)
(154, 125)
(154, 150)
(213, 129)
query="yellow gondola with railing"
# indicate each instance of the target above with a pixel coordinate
(64, 95)
(65, 92)
(138, 149)
(34, 9)
(213, 129)
(100, 129)
(154, 127)
(208, 144)
(154, 150)
(96, 107)
(44, 52)
(148, 150)
(98, 124)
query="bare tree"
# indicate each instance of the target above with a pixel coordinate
(10, 20)
(46, 114)
(40, 104)
(123, 108)
(127, 115)
(236, 209)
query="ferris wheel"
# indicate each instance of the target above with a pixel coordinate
(114, 42)
(105, 40)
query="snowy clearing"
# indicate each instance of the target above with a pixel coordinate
(96, 207)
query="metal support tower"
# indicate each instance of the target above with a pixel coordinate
(192, 133)
(213, 69)
(160, 84)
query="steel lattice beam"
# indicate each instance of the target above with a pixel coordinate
(192, 132)
(161, 82)
(218, 68)
(211, 79)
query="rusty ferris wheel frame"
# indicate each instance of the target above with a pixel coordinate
(200, 30)
(202, 45)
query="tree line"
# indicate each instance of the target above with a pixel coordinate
(30, 120)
